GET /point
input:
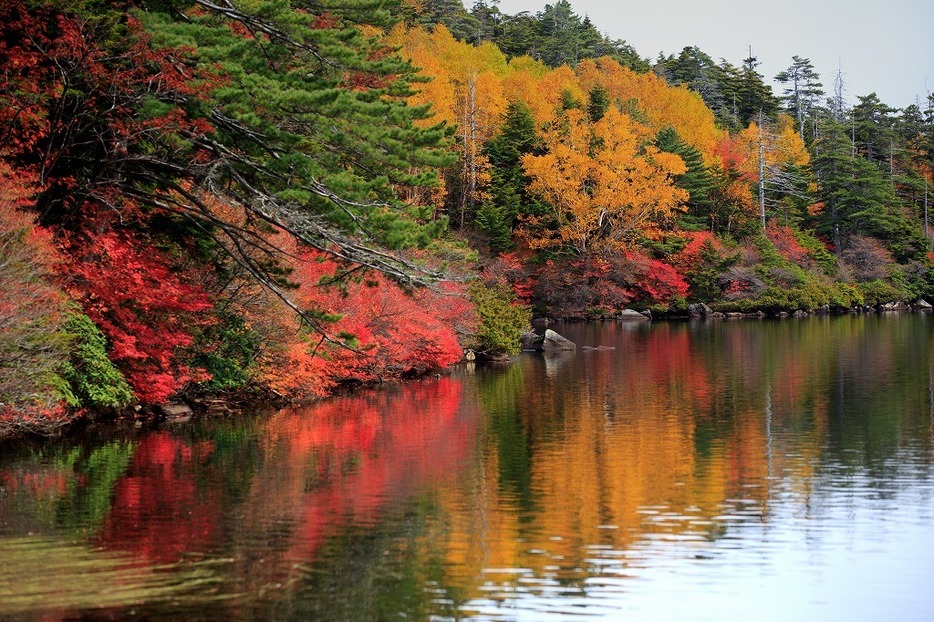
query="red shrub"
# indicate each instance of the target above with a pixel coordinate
(784, 240)
(144, 307)
(368, 329)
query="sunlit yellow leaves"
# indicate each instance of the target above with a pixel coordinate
(605, 182)
(662, 106)
(789, 146)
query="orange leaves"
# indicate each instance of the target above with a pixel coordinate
(465, 79)
(663, 106)
(370, 329)
(605, 182)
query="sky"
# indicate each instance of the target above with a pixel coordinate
(883, 46)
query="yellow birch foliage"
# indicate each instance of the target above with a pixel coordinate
(662, 105)
(781, 147)
(542, 92)
(606, 183)
(523, 82)
(467, 92)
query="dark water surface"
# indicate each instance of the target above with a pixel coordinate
(719, 471)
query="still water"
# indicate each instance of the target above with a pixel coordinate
(687, 471)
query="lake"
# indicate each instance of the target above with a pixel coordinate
(720, 470)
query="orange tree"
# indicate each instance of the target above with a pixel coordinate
(606, 183)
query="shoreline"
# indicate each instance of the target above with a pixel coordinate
(233, 404)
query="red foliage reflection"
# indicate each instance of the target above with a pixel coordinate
(350, 457)
(318, 469)
(159, 512)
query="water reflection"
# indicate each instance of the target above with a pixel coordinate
(747, 470)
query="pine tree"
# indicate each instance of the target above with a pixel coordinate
(804, 89)
(872, 129)
(698, 71)
(753, 95)
(598, 101)
(312, 130)
(508, 185)
(697, 180)
(859, 199)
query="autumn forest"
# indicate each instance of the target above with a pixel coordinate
(278, 198)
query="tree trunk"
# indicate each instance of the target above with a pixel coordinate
(761, 177)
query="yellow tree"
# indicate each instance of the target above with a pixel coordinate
(661, 106)
(466, 91)
(773, 158)
(606, 183)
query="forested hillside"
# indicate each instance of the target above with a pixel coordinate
(218, 196)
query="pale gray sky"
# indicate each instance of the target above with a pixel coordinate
(886, 46)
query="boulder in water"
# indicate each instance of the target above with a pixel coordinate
(699, 309)
(554, 342)
(630, 314)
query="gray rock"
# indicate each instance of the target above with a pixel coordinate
(175, 411)
(716, 315)
(895, 306)
(554, 342)
(735, 315)
(531, 341)
(924, 305)
(800, 313)
(630, 314)
(698, 309)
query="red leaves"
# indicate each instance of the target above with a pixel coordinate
(662, 283)
(368, 328)
(784, 240)
(159, 511)
(599, 286)
(389, 332)
(78, 98)
(143, 306)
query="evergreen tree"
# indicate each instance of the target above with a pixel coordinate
(873, 129)
(698, 71)
(753, 95)
(520, 35)
(508, 188)
(598, 102)
(462, 24)
(697, 180)
(803, 91)
(561, 30)
(858, 199)
(312, 132)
